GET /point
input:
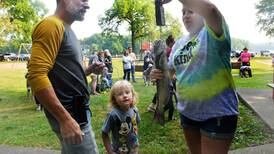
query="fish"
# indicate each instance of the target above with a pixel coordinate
(162, 85)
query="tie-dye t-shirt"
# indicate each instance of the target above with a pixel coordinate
(205, 85)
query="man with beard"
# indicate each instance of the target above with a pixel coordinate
(58, 79)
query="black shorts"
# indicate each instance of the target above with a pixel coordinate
(216, 128)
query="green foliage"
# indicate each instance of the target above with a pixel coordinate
(265, 16)
(137, 14)
(17, 20)
(173, 27)
(239, 44)
(40, 9)
(140, 17)
(116, 44)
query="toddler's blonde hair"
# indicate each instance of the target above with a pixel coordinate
(116, 88)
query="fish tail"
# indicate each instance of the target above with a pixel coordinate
(159, 117)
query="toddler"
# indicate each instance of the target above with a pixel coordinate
(122, 120)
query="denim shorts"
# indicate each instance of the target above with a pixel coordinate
(217, 128)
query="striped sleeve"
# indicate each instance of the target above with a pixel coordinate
(46, 41)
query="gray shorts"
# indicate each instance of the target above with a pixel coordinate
(88, 145)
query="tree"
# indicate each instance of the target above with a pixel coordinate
(239, 44)
(17, 20)
(173, 27)
(265, 16)
(116, 44)
(138, 14)
(140, 17)
(40, 9)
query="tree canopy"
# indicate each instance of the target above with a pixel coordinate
(116, 44)
(17, 20)
(239, 44)
(265, 16)
(140, 18)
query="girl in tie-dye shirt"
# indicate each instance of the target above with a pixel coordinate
(208, 103)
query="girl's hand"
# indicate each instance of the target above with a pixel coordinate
(156, 74)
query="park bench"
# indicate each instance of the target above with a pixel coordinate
(236, 65)
(138, 68)
(139, 65)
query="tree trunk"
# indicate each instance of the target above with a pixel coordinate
(132, 39)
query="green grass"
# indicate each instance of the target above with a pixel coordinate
(21, 125)
(262, 72)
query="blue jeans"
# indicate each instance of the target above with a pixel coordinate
(88, 145)
(133, 72)
(126, 74)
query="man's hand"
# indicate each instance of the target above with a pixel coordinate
(69, 129)
(95, 68)
(71, 132)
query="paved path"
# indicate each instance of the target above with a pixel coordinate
(4, 149)
(258, 100)
(262, 149)
(261, 102)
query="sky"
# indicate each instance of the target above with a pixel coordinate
(240, 16)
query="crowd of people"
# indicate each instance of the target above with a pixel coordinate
(103, 81)
(208, 111)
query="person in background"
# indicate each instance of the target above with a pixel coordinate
(58, 79)
(122, 121)
(245, 57)
(245, 60)
(101, 56)
(147, 67)
(208, 104)
(133, 60)
(126, 65)
(30, 92)
(169, 42)
(108, 63)
(93, 59)
(148, 59)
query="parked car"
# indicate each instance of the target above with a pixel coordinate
(10, 56)
(235, 54)
(272, 53)
(265, 53)
(24, 57)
